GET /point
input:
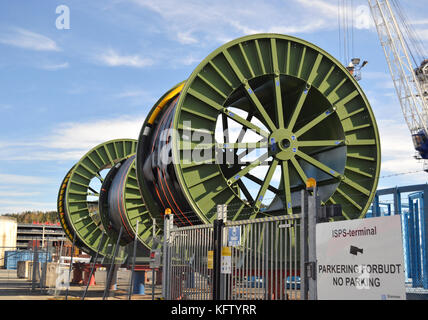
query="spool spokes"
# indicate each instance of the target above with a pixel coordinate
(279, 129)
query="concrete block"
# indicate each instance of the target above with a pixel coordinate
(51, 274)
(23, 269)
(38, 272)
(62, 277)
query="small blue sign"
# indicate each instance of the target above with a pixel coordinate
(234, 238)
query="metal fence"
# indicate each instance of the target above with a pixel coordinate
(266, 264)
(258, 259)
(56, 273)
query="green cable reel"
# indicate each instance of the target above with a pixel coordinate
(79, 193)
(311, 117)
(255, 119)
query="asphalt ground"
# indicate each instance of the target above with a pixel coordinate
(14, 288)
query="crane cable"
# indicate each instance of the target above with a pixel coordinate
(339, 15)
(416, 46)
(346, 30)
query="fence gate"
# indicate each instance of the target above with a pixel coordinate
(187, 274)
(255, 259)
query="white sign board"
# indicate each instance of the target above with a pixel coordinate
(360, 259)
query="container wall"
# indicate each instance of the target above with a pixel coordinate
(8, 231)
(12, 257)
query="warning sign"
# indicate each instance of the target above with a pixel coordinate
(360, 259)
(226, 260)
(210, 258)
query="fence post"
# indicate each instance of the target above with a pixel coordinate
(58, 267)
(93, 265)
(166, 259)
(113, 270)
(217, 256)
(314, 209)
(218, 243)
(224, 278)
(35, 266)
(70, 268)
(153, 269)
(134, 253)
(304, 246)
(45, 268)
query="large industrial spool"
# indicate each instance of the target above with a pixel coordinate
(293, 112)
(99, 195)
(308, 118)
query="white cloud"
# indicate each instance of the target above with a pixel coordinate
(136, 97)
(197, 22)
(54, 67)
(402, 165)
(85, 135)
(189, 60)
(13, 179)
(17, 206)
(395, 139)
(25, 39)
(131, 94)
(32, 154)
(17, 194)
(419, 22)
(113, 59)
(70, 141)
(388, 84)
(398, 154)
(377, 75)
(186, 38)
(323, 7)
(423, 34)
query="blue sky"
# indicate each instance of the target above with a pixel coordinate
(63, 91)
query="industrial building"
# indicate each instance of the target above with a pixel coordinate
(27, 234)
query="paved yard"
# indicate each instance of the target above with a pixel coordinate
(14, 288)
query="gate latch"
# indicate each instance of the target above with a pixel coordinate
(311, 271)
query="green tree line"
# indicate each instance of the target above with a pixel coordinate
(35, 216)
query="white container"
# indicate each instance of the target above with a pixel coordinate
(8, 231)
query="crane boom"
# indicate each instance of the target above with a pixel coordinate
(413, 103)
